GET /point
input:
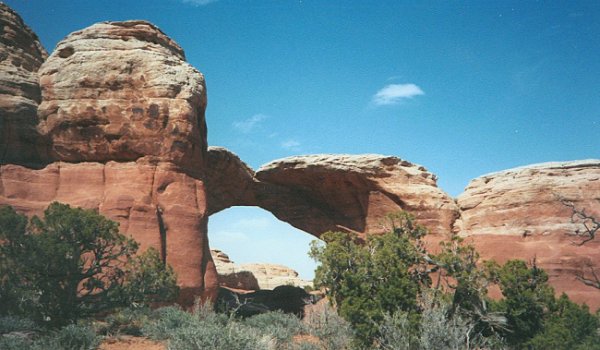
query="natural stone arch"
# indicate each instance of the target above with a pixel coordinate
(320, 193)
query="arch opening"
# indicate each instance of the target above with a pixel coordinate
(254, 235)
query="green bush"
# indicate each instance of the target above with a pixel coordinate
(73, 263)
(71, 337)
(568, 326)
(366, 279)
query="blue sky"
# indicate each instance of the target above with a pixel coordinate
(463, 88)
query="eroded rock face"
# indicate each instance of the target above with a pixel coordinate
(254, 276)
(162, 208)
(21, 55)
(122, 91)
(516, 214)
(354, 192)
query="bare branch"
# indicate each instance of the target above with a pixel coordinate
(592, 282)
(590, 225)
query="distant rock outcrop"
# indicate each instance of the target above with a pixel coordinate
(254, 276)
(517, 213)
(122, 91)
(21, 55)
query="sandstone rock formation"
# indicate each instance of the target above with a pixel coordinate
(357, 191)
(122, 91)
(123, 114)
(319, 193)
(120, 129)
(21, 55)
(157, 204)
(516, 214)
(254, 276)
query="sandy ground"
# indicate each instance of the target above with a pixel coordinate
(131, 343)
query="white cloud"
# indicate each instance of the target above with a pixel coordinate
(394, 93)
(246, 126)
(198, 2)
(290, 144)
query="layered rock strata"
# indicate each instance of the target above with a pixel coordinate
(157, 204)
(21, 55)
(518, 214)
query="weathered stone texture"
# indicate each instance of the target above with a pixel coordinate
(122, 91)
(517, 214)
(21, 55)
(158, 205)
(355, 192)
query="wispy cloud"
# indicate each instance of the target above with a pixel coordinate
(248, 125)
(291, 145)
(395, 93)
(198, 2)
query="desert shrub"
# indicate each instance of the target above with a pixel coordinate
(14, 342)
(439, 330)
(71, 337)
(128, 321)
(282, 327)
(211, 336)
(205, 312)
(333, 332)
(395, 332)
(366, 279)
(73, 263)
(568, 326)
(528, 298)
(166, 320)
(16, 324)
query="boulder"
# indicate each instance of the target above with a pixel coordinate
(21, 55)
(121, 91)
(519, 214)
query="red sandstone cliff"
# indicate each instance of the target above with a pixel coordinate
(516, 214)
(122, 114)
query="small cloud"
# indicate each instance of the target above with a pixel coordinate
(246, 126)
(290, 144)
(394, 93)
(198, 2)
